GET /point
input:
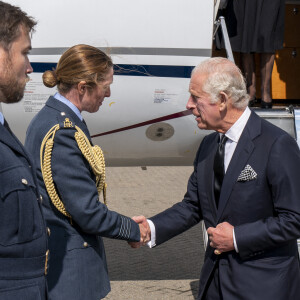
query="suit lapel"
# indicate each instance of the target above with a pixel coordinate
(207, 172)
(210, 177)
(239, 159)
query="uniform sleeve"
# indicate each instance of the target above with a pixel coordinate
(283, 173)
(74, 182)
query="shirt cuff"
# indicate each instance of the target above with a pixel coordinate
(234, 242)
(152, 242)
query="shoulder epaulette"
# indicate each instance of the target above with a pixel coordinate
(65, 121)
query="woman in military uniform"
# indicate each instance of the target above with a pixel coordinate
(71, 176)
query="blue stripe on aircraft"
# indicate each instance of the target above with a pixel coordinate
(133, 70)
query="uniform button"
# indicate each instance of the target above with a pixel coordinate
(85, 244)
(63, 113)
(41, 198)
(48, 231)
(24, 181)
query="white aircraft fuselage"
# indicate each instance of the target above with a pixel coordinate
(154, 46)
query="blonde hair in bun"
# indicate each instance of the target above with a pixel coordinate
(50, 79)
(78, 63)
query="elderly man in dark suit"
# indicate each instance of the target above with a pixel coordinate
(245, 186)
(23, 240)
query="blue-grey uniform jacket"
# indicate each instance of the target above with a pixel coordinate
(23, 239)
(78, 265)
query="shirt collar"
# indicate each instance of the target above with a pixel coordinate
(235, 131)
(64, 100)
(1, 118)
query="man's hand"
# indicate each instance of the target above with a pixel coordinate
(145, 232)
(221, 237)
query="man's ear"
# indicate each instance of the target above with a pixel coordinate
(81, 87)
(223, 101)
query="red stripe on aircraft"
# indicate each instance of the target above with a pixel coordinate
(165, 118)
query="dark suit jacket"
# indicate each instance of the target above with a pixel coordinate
(23, 240)
(78, 265)
(265, 213)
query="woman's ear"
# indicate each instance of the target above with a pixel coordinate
(81, 87)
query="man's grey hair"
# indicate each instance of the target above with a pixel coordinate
(222, 75)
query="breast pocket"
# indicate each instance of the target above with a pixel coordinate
(20, 215)
(249, 188)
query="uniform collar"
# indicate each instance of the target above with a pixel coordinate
(1, 118)
(64, 100)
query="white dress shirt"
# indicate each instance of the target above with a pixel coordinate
(234, 133)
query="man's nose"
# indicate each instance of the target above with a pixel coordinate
(107, 93)
(190, 104)
(29, 68)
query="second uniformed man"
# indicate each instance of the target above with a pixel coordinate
(23, 239)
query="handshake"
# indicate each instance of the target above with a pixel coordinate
(145, 232)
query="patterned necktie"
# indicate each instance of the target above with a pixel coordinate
(219, 168)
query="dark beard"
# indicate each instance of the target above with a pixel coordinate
(11, 90)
